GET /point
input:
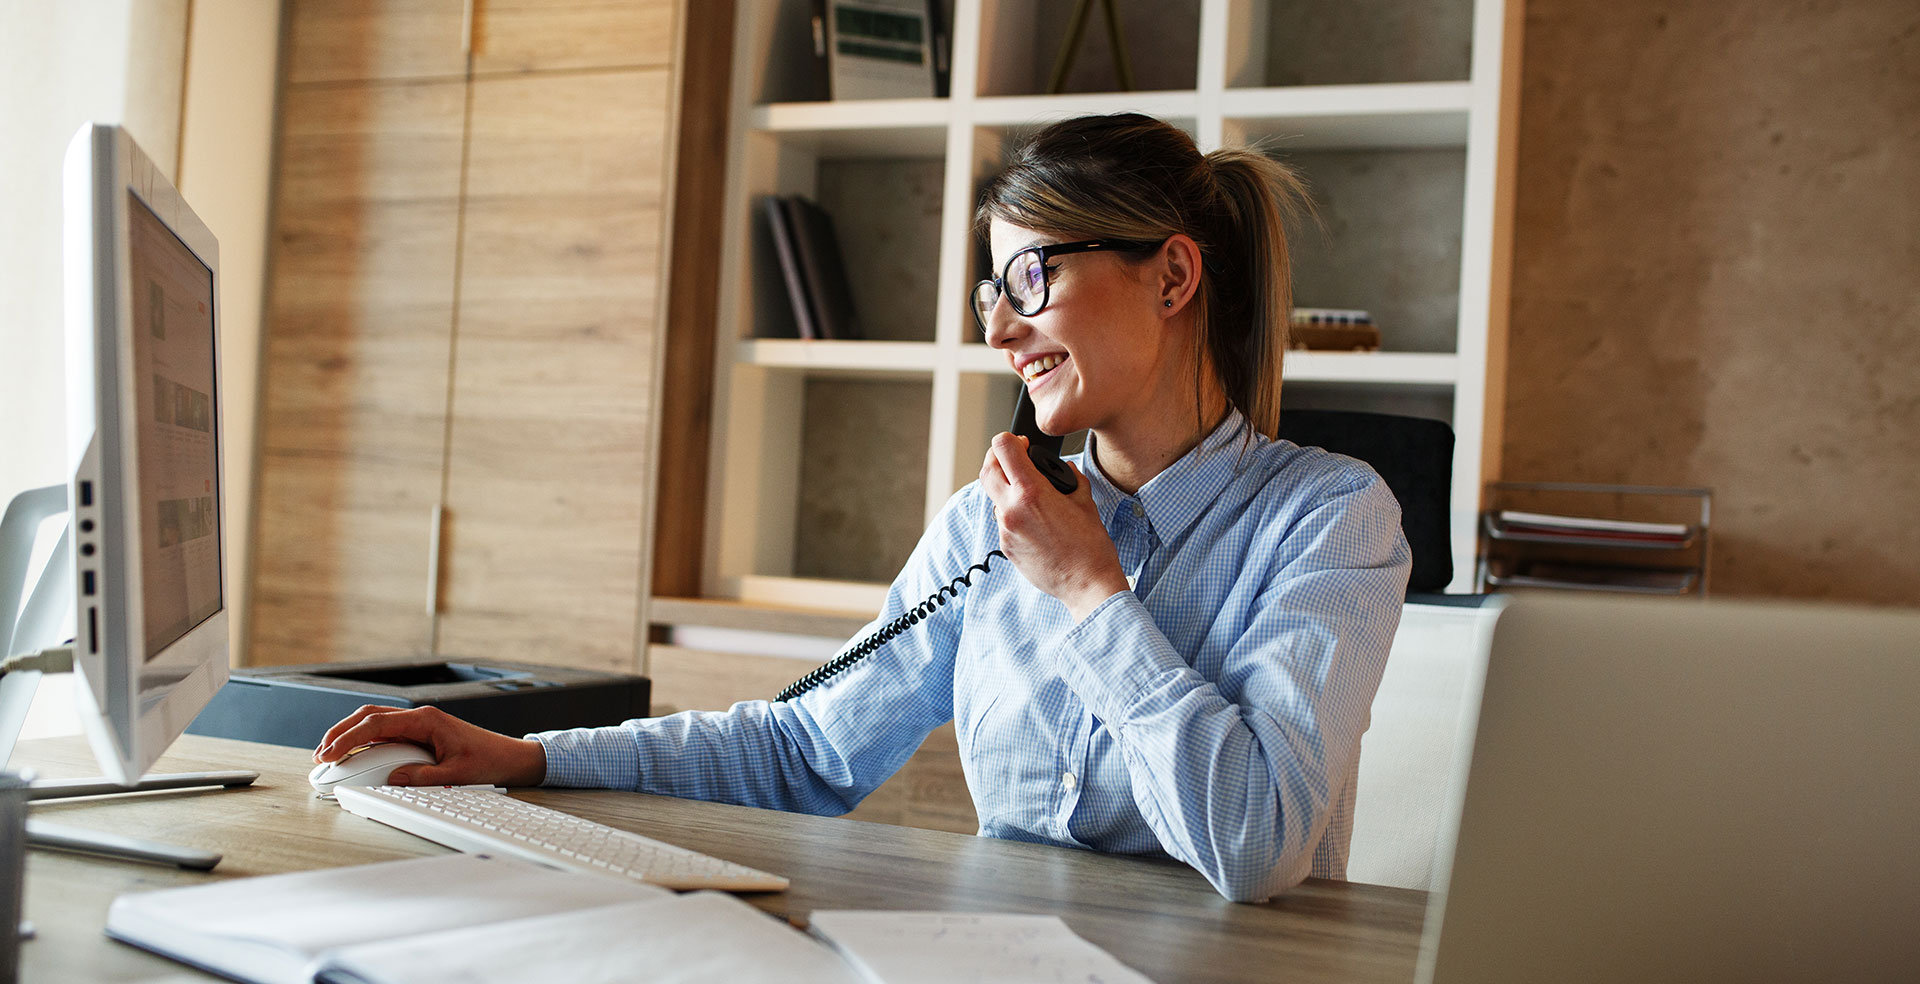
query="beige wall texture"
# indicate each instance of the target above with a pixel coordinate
(193, 81)
(62, 65)
(226, 167)
(1717, 276)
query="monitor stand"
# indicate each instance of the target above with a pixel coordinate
(28, 657)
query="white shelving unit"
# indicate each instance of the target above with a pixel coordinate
(915, 166)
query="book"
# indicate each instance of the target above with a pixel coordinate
(685, 939)
(480, 919)
(942, 49)
(274, 929)
(880, 49)
(467, 918)
(823, 269)
(790, 273)
(965, 948)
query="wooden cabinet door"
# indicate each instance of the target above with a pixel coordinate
(540, 35)
(364, 40)
(355, 376)
(554, 368)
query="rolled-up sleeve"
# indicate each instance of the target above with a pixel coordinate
(822, 752)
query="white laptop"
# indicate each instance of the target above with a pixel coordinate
(1664, 790)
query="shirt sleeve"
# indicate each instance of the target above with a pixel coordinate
(1237, 775)
(825, 750)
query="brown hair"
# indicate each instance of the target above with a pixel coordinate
(1130, 176)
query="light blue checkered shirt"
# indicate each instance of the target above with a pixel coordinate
(1213, 713)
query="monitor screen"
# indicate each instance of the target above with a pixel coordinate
(174, 391)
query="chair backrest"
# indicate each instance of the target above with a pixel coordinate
(1415, 457)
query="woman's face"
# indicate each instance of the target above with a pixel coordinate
(1100, 351)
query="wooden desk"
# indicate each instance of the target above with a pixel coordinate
(1160, 917)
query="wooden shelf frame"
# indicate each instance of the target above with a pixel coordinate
(779, 146)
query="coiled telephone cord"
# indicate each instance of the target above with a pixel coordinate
(880, 637)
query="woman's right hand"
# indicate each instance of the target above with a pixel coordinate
(464, 754)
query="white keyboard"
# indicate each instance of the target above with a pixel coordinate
(478, 821)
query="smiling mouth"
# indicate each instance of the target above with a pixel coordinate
(1041, 366)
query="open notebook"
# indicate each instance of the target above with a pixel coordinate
(478, 919)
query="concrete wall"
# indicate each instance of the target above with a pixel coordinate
(1717, 276)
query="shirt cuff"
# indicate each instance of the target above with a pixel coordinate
(1115, 655)
(592, 758)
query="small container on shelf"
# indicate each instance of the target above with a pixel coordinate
(1333, 330)
(1624, 538)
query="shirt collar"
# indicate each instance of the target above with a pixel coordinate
(1177, 496)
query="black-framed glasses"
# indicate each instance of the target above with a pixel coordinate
(1024, 279)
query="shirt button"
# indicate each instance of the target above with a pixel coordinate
(1067, 780)
(1139, 510)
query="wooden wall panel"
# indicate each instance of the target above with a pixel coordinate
(554, 379)
(1717, 277)
(542, 35)
(359, 40)
(355, 369)
(930, 791)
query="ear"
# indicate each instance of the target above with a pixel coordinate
(1178, 273)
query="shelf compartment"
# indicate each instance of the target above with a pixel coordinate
(1350, 41)
(862, 479)
(1386, 236)
(886, 214)
(1388, 115)
(1020, 40)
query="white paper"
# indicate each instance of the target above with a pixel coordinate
(700, 937)
(968, 948)
(1593, 523)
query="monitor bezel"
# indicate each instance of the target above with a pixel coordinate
(133, 707)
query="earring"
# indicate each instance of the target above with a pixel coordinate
(1168, 302)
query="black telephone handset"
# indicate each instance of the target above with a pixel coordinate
(1043, 450)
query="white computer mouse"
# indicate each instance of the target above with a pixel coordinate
(369, 765)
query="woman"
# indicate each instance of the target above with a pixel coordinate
(1184, 662)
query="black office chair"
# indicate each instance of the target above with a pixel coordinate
(1415, 457)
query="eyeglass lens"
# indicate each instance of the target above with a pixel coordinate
(1025, 278)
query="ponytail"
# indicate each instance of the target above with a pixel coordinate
(1246, 335)
(1134, 177)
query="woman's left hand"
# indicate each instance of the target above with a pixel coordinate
(1057, 541)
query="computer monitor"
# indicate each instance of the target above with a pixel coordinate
(133, 595)
(147, 515)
